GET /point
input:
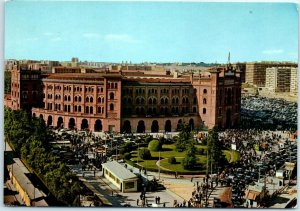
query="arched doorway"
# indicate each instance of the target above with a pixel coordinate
(41, 116)
(84, 124)
(168, 126)
(49, 121)
(191, 124)
(154, 127)
(179, 124)
(33, 115)
(127, 127)
(60, 122)
(72, 123)
(228, 118)
(141, 127)
(98, 125)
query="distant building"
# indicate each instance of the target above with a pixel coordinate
(278, 79)
(256, 71)
(294, 81)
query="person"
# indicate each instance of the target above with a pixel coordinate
(158, 200)
(164, 204)
(155, 199)
(137, 202)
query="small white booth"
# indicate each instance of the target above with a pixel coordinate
(121, 177)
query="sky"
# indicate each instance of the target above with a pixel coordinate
(151, 31)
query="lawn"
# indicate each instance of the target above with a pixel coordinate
(231, 155)
(201, 165)
(169, 150)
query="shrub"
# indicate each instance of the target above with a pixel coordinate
(148, 139)
(127, 156)
(201, 151)
(172, 160)
(155, 146)
(189, 162)
(144, 154)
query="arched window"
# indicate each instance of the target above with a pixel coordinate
(150, 101)
(137, 101)
(154, 100)
(204, 100)
(87, 99)
(99, 100)
(87, 109)
(177, 100)
(75, 98)
(65, 97)
(194, 100)
(204, 110)
(111, 107)
(204, 91)
(102, 99)
(91, 110)
(166, 101)
(116, 85)
(91, 99)
(99, 109)
(173, 100)
(111, 96)
(183, 100)
(79, 99)
(69, 98)
(79, 108)
(142, 101)
(162, 100)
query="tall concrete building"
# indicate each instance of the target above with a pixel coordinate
(256, 71)
(278, 79)
(294, 81)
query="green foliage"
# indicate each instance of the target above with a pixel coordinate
(214, 147)
(144, 154)
(126, 147)
(127, 156)
(148, 139)
(190, 159)
(155, 146)
(204, 141)
(184, 137)
(29, 139)
(172, 160)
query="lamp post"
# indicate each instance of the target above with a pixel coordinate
(159, 165)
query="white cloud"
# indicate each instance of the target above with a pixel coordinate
(273, 51)
(125, 38)
(90, 35)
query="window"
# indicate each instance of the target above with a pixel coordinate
(87, 99)
(87, 109)
(204, 91)
(111, 96)
(204, 110)
(111, 107)
(91, 110)
(204, 100)
(91, 99)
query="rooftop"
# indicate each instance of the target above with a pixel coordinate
(118, 170)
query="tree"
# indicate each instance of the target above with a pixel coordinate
(155, 146)
(126, 148)
(190, 159)
(214, 147)
(172, 160)
(184, 137)
(144, 154)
